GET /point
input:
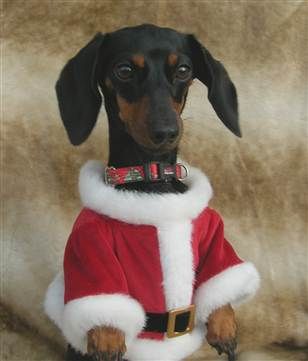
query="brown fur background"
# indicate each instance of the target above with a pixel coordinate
(260, 181)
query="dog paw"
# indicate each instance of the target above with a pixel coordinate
(106, 344)
(221, 331)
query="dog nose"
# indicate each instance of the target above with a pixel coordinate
(161, 136)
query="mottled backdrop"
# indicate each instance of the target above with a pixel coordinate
(260, 181)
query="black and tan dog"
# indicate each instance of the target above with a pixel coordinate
(144, 73)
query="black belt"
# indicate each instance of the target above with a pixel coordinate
(175, 322)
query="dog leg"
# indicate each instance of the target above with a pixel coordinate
(106, 344)
(221, 331)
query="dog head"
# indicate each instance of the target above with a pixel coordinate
(144, 73)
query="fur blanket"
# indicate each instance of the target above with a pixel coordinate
(260, 181)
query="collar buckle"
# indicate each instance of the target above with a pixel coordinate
(155, 172)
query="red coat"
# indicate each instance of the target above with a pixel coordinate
(131, 253)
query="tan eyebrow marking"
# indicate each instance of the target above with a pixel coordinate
(138, 60)
(108, 83)
(172, 59)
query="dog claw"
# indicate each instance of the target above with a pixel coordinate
(96, 356)
(107, 356)
(119, 356)
(219, 349)
(231, 356)
(226, 347)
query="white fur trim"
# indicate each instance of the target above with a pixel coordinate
(234, 285)
(177, 263)
(143, 208)
(77, 317)
(172, 349)
(54, 300)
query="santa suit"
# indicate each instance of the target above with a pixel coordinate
(130, 253)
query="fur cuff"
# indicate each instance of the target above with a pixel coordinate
(77, 317)
(54, 300)
(234, 285)
(116, 310)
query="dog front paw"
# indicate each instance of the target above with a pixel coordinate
(106, 344)
(221, 331)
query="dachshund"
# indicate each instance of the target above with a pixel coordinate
(143, 73)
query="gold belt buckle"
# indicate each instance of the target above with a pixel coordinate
(172, 318)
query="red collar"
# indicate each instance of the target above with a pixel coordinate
(150, 172)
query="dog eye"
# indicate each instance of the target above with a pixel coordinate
(183, 72)
(124, 71)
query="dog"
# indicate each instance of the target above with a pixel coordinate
(144, 73)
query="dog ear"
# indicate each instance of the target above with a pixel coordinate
(77, 92)
(221, 90)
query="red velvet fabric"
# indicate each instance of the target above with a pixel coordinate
(107, 256)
